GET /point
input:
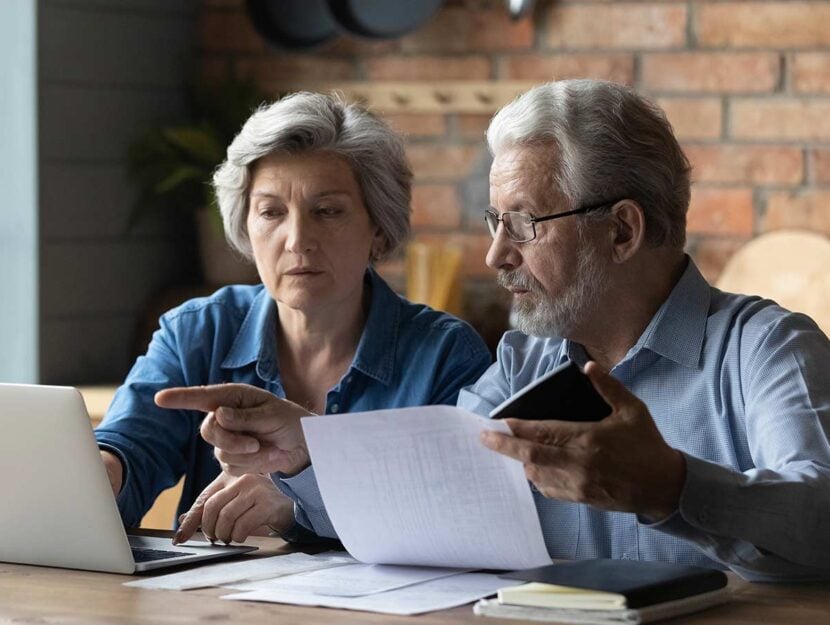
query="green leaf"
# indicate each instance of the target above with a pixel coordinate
(184, 173)
(197, 143)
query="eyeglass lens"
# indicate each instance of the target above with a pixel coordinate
(519, 227)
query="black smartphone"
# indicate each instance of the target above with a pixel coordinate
(565, 393)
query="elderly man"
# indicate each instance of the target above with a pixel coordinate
(716, 452)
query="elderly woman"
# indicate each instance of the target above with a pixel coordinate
(314, 191)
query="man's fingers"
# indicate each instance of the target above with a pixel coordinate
(263, 418)
(231, 442)
(546, 432)
(209, 398)
(526, 452)
(612, 390)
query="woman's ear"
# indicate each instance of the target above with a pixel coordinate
(379, 245)
(628, 230)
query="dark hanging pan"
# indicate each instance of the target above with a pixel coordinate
(382, 19)
(293, 24)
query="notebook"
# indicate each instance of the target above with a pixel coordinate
(610, 584)
(58, 507)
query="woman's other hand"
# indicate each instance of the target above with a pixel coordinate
(115, 472)
(252, 430)
(232, 508)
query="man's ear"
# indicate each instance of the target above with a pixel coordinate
(628, 229)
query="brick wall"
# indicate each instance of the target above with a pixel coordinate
(746, 85)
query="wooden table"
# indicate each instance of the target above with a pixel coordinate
(36, 595)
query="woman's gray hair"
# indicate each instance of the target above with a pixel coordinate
(305, 122)
(609, 143)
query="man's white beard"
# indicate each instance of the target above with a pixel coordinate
(540, 315)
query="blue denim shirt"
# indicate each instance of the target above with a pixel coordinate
(408, 355)
(742, 387)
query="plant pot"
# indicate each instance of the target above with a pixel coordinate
(220, 264)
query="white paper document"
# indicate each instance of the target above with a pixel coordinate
(248, 570)
(439, 594)
(416, 486)
(355, 580)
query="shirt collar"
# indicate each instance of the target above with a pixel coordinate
(678, 329)
(375, 354)
(256, 340)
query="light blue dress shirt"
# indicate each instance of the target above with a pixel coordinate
(408, 355)
(742, 388)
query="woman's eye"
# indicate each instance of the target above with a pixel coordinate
(328, 211)
(269, 212)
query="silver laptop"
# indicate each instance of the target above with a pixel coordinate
(58, 508)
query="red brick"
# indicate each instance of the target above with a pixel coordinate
(228, 31)
(728, 72)
(472, 126)
(712, 253)
(357, 46)
(617, 67)
(720, 210)
(693, 118)
(821, 165)
(763, 24)
(798, 209)
(810, 72)
(461, 29)
(442, 162)
(634, 25)
(777, 119)
(473, 246)
(746, 164)
(286, 68)
(415, 125)
(396, 68)
(435, 206)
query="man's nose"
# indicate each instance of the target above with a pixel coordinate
(503, 253)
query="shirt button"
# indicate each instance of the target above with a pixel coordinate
(349, 380)
(334, 407)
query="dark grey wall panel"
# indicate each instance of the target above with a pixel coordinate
(107, 70)
(169, 7)
(155, 48)
(94, 200)
(108, 277)
(87, 351)
(83, 123)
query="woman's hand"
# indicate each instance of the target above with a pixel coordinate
(232, 508)
(252, 430)
(115, 472)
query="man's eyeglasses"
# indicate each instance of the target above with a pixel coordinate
(521, 227)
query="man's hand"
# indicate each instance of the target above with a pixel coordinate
(620, 463)
(115, 472)
(252, 430)
(232, 508)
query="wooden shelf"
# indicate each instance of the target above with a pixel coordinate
(459, 96)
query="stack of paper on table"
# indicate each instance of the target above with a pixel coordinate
(608, 591)
(413, 487)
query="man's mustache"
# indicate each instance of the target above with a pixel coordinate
(507, 279)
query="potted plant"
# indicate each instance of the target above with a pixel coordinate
(173, 166)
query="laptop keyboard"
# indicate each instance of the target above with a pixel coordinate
(148, 555)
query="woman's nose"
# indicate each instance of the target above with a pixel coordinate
(300, 238)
